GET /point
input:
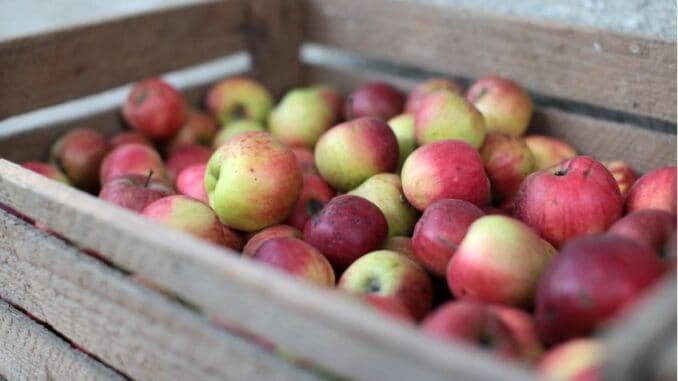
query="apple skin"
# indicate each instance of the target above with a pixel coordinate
(190, 182)
(239, 98)
(270, 232)
(301, 117)
(198, 128)
(126, 137)
(500, 260)
(654, 190)
(185, 156)
(505, 105)
(522, 326)
(234, 128)
(374, 99)
(296, 258)
(133, 158)
(548, 151)
(78, 154)
(457, 168)
(306, 160)
(388, 306)
(315, 193)
(507, 161)
(652, 227)
(403, 128)
(416, 97)
(48, 170)
(577, 197)
(570, 301)
(445, 115)
(154, 108)
(622, 173)
(332, 97)
(345, 229)
(388, 273)
(253, 181)
(351, 152)
(439, 232)
(401, 245)
(574, 360)
(472, 323)
(134, 191)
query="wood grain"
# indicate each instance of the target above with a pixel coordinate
(30, 351)
(130, 327)
(57, 66)
(610, 69)
(324, 327)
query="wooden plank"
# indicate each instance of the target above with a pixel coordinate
(53, 67)
(610, 69)
(642, 149)
(323, 326)
(30, 351)
(130, 327)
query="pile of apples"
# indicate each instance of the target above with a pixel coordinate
(433, 207)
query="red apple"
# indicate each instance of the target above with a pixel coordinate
(505, 105)
(374, 99)
(388, 306)
(133, 158)
(48, 170)
(654, 190)
(507, 161)
(239, 98)
(79, 154)
(191, 182)
(154, 108)
(126, 137)
(185, 156)
(134, 191)
(548, 151)
(296, 258)
(198, 128)
(652, 227)
(445, 115)
(574, 360)
(270, 232)
(577, 197)
(332, 97)
(233, 239)
(315, 193)
(417, 95)
(306, 160)
(521, 324)
(622, 173)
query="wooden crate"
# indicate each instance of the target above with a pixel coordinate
(611, 94)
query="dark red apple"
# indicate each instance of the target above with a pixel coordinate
(315, 193)
(654, 190)
(79, 154)
(652, 227)
(134, 191)
(374, 99)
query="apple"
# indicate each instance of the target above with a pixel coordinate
(126, 137)
(574, 360)
(315, 193)
(522, 326)
(507, 161)
(374, 99)
(505, 105)
(652, 227)
(306, 160)
(571, 301)
(185, 156)
(403, 128)
(492, 210)
(270, 232)
(457, 169)
(345, 229)
(133, 158)
(654, 190)
(445, 115)
(401, 245)
(191, 182)
(301, 117)
(239, 98)
(154, 108)
(198, 128)
(332, 97)
(134, 191)
(388, 273)
(78, 154)
(417, 95)
(500, 260)
(296, 258)
(548, 151)
(233, 239)
(351, 152)
(388, 306)
(622, 173)
(577, 197)
(234, 128)
(48, 170)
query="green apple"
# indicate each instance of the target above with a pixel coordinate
(239, 98)
(301, 117)
(403, 128)
(445, 115)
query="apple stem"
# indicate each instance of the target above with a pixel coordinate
(349, 108)
(148, 179)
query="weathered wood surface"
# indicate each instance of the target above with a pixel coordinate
(29, 351)
(617, 71)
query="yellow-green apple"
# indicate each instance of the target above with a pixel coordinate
(134, 191)
(387, 273)
(388, 306)
(133, 158)
(571, 301)
(471, 323)
(47, 170)
(439, 232)
(198, 128)
(374, 99)
(574, 360)
(351, 152)
(417, 95)
(507, 161)
(315, 193)
(403, 128)
(185, 156)
(234, 128)
(154, 108)
(548, 151)
(345, 229)
(622, 173)
(652, 227)
(445, 115)
(500, 260)
(332, 97)
(78, 154)
(191, 182)
(386, 192)
(301, 117)
(253, 181)
(270, 232)
(306, 160)
(445, 169)
(296, 258)
(239, 98)
(504, 104)
(654, 190)
(521, 324)
(126, 137)
(577, 197)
